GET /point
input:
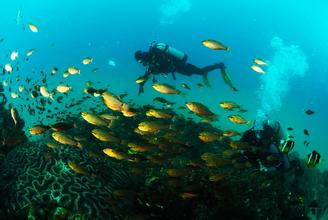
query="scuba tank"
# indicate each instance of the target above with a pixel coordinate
(171, 51)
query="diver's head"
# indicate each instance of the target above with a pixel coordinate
(141, 57)
(268, 132)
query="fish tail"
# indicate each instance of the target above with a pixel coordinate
(182, 94)
(79, 145)
(110, 124)
(51, 96)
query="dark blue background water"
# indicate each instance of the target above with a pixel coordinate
(112, 30)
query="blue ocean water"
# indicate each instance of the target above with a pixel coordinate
(113, 30)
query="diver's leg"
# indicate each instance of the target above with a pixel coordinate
(189, 69)
(210, 68)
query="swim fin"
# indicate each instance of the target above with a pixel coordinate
(205, 80)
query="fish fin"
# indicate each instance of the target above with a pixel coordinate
(250, 122)
(79, 145)
(125, 107)
(110, 124)
(173, 127)
(182, 94)
(51, 96)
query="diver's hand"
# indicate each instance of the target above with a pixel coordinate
(141, 90)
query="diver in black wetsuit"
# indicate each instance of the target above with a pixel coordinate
(162, 58)
(271, 141)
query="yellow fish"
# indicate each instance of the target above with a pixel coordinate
(214, 160)
(199, 108)
(14, 55)
(215, 45)
(216, 177)
(177, 172)
(105, 136)
(260, 62)
(230, 133)
(21, 88)
(257, 69)
(113, 103)
(8, 67)
(87, 60)
(44, 92)
(165, 88)
(152, 126)
(14, 95)
(14, 115)
(158, 113)
(208, 119)
(128, 112)
(65, 139)
(73, 70)
(66, 74)
(139, 147)
(30, 52)
(116, 154)
(33, 28)
(141, 79)
(109, 117)
(53, 145)
(62, 88)
(188, 195)
(237, 119)
(94, 119)
(38, 129)
(206, 136)
(77, 169)
(238, 144)
(228, 105)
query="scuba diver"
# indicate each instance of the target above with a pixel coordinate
(161, 58)
(272, 144)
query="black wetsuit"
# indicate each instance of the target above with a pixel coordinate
(158, 62)
(266, 145)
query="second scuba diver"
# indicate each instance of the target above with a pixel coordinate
(161, 58)
(272, 144)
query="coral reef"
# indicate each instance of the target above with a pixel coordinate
(35, 174)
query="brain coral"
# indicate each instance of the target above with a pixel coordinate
(35, 174)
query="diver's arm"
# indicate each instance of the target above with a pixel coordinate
(285, 161)
(141, 85)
